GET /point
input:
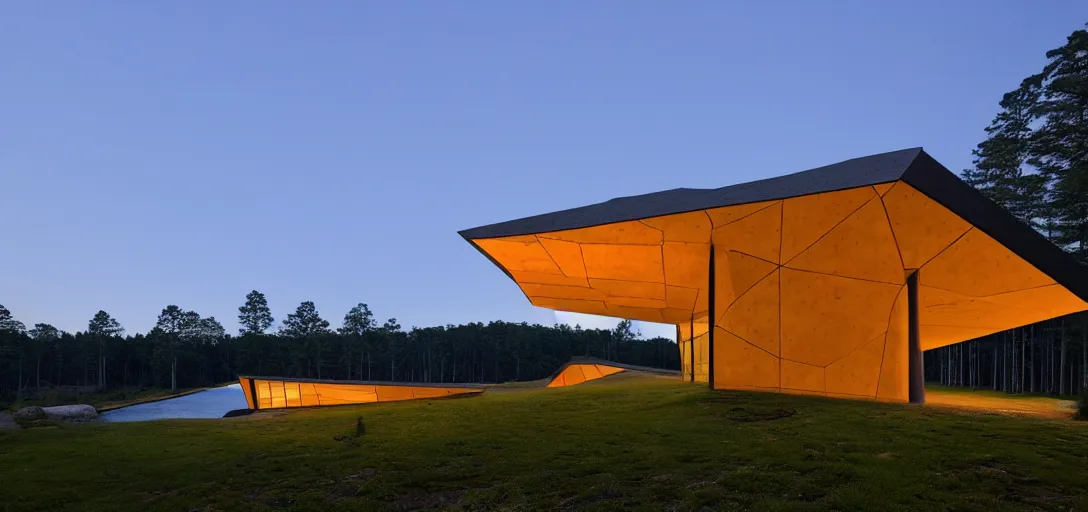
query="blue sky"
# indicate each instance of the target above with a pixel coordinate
(156, 153)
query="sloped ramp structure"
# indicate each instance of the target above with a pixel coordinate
(281, 392)
(581, 370)
(829, 281)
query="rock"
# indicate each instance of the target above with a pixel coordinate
(30, 413)
(7, 421)
(81, 412)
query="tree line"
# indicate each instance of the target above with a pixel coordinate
(186, 350)
(1034, 163)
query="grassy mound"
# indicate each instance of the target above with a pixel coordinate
(636, 443)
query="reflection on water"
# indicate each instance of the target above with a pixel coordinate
(210, 403)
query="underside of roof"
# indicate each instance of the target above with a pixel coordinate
(912, 166)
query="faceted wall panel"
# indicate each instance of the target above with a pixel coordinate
(922, 227)
(275, 393)
(894, 363)
(574, 374)
(686, 356)
(756, 235)
(807, 218)
(742, 365)
(701, 342)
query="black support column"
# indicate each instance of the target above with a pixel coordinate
(691, 347)
(916, 372)
(253, 393)
(680, 348)
(710, 323)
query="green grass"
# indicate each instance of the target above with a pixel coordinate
(621, 444)
(985, 391)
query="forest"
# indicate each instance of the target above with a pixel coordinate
(185, 350)
(1033, 161)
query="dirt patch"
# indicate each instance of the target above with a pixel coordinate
(428, 500)
(260, 415)
(751, 414)
(1019, 487)
(583, 500)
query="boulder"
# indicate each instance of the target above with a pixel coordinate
(81, 412)
(7, 421)
(30, 413)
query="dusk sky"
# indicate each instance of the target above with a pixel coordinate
(156, 153)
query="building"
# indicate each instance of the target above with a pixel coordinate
(829, 281)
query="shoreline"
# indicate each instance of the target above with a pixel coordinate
(157, 398)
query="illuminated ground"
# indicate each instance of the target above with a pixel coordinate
(625, 442)
(997, 402)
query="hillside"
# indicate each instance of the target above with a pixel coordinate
(620, 443)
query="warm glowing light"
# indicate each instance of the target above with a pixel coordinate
(272, 393)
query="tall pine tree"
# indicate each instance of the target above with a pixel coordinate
(999, 164)
(1060, 145)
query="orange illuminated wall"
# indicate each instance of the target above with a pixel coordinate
(686, 351)
(578, 373)
(810, 291)
(277, 394)
(695, 349)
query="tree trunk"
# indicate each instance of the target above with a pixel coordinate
(1061, 365)
(1050, 384)
(38, 376)
(1023, 361)
(1031, 375)
(1084, 358)
(959, 365)
(19, 382)
(1005, 362)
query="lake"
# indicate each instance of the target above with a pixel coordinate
(210, 403)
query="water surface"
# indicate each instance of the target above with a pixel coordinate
(210, 403)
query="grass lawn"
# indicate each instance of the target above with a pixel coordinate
(618, 444)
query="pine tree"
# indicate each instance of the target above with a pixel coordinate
(44, 336)
(11, 346)
(102, 328)
(307, 330)
(1060, 145)
(356, 327)
(999, 164)
(8, 323)
(254, 317)
(167, 333)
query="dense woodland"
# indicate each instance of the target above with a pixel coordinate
(186, 350)
(1034, 162)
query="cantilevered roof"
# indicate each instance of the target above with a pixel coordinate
(869, 170)
(868, 221)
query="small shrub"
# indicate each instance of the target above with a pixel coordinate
(1082, 405)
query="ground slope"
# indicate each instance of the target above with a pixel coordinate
(614, 444)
